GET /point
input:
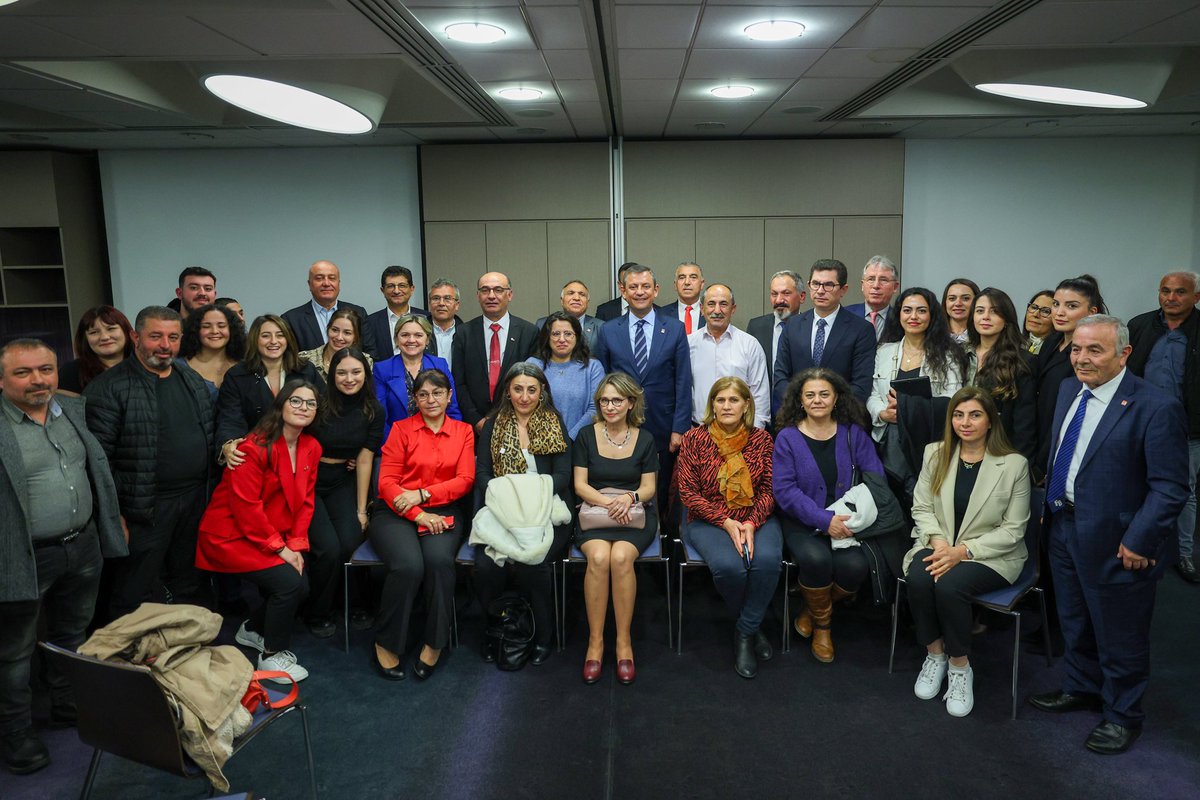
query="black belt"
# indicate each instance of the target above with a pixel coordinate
(1068, 508)
(69, 536)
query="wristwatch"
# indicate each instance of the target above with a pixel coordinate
(970, 555)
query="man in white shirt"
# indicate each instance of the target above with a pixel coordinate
(720, 350)
(787, 294)
(444, 301)
(880, 282)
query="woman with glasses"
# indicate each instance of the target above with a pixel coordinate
(256, 525)
(614, 453)
(1038, 324)
(394, 377)
(344, 330)
(562, 354)
(213, 341)
(957, 298)
(427, 467)
(103, 339)
(1001, 364)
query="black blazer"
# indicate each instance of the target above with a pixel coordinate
(849, 351)
(377, 331)
(557, 466)
(244, 397)
(432, 348)
(763, 329)
(609, 309)
(307, 329)
(672, 310)
(1051, 370)
(469, 363)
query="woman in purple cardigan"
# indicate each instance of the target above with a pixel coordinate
(823, 435)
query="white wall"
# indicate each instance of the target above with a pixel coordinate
(258, 219)
(1022, 215)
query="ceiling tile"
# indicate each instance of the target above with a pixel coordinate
(559, 27)
(20, 38)
(504, 65)
(724, 26)
(650, 63)
(570, 64)
(704, 129)
(592, 130)
(744, 64)
(786, 126)
(455, 134)
(1084, 23)
(643, 113)
(62, 100)
(655, 27)
(435, 21)
(978, 3)
(859, 127)
(648, 91)
(137, 118)
(582, 111)
(847, 63)
(825, 89)
(277, 34)
(945, 128)
(908, 26)
(464, 4)
(147, 35)
(1181, 29)
(720, 111)
(578, 91)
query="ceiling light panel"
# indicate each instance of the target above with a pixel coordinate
(774, 30)
(288, 104)
(520, 94)
(1060, 95)
(732, 92)
(474, 32)
(507, 18)
(725, 26)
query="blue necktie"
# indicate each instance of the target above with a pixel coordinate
(1057, 488)
(640, 356)
(819, 344)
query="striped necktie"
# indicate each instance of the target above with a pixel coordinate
(1056, 490)
(641, 356)
(819, 343)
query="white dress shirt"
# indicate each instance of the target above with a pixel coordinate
(504, 323)
(737, 354)
(812, 342)
(445, 340)
(323, 317)
(683, 307)
(648, 330)
(393, 318)
(1101, 396)
(880, 318)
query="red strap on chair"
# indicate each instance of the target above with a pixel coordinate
(256, 695)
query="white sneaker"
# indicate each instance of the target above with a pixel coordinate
(283, 661)
(960, 695)
(933, 672)
(249, 638)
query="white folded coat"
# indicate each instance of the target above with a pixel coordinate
(518, 518)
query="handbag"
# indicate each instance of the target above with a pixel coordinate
(593, 517)
(256, 694)
(881, 541)
(510, 631)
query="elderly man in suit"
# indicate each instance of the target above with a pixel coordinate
(689, 285)
(308, 321)
(826, 337)
(880, 282)
(444, 302)
(396, 286)
(787, 293)
(486, 347)
(1117, 482)
(574, 298)
(59, 506)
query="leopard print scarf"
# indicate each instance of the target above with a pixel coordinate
(545, 438)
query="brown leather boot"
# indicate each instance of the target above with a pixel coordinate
(839, 594)
(819, 603)
(803, 622)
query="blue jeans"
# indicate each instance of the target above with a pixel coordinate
(1187, 517)
(747, 592)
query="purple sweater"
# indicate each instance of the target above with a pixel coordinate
(799, 488)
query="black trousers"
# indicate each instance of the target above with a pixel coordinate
(818, 564)
(164, 550)
(942, 610)
(283, 590)
(414, 564)
(68, 579)
(534, 581)
(333, 536)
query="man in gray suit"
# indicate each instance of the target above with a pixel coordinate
(574, 297)
(60, 517)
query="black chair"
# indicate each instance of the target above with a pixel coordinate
(123, 711)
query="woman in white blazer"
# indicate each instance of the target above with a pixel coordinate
(970, 507)
(916, 342)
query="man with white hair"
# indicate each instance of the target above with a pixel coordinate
(880, 282)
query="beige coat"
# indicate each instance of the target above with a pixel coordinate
(994, 524)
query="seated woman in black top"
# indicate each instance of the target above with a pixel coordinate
(524, 435)
(350, 430)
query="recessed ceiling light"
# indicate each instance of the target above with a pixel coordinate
(289, 104)
(731, 92)
(1060, 95)
(474, 32)
(519, 94)
(774, 30)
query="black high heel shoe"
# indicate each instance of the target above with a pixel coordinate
(395, 673)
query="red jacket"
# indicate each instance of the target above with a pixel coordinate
(257, 508)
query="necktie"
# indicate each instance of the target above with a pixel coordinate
(640, 356)
(819, 344)
(687, 319)
(1057, 488)
(494, 360)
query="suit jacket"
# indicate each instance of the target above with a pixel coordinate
(432, 348)
(763, 329)
(381, 334)
(591, 329)
(860, 310)
(309, 334)
(993, 527)
(391, 388)
(244, 397)
(470, 363)
(1051, 369)
(18, 565)
(1131, 484)
(667, 380)
(849, 351)
(609, 309)
(260, 507)
(672, 311)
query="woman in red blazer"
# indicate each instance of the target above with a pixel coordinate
(256, 525)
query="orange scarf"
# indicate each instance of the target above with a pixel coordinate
(734, 475)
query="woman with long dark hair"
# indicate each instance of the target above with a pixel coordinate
(343, 330)
(561, 352)
(213, 341)
(1001, 364)
(957, 298)
(103, 339)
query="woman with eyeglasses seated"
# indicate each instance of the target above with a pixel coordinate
(427, 467)
(342, 331)
(394, 377)
(1037, 320)
(970, 507)
(562, 354)
(822, 439)
(524, 436)
(724, 471)
(614, 453)
(256, 525)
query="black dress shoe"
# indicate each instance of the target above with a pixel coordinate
(395, 673)
(422, 670)
(361, 620)
(744, 661)
(321, 628)
(1110, 739)
(64, 714)
(1060, 702)
(24, 752)
(539, 654)
(762, 648)
(1187, 569)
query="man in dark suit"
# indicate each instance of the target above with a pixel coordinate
(880, 282)
(574, 297)
(1116, 484)
(787, 293)
(396, 285)
(611, 309)
(484, 348)
(689, 284)
(308, 321)
(826, 337)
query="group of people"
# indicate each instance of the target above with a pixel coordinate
(204, 454)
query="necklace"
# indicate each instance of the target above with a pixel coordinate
(625, 441)
(968, 464)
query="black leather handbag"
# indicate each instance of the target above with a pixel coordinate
(510, 631)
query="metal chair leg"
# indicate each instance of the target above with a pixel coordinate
(557, 619)
(895, 623)
(1016, 659)
(786, 637)
(312, 770)
(679, 624)
(1045, 627)
(667, 570)
(91, 775)
(346, 606)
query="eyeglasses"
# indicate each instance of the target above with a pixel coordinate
(1041, 311)
(611, 401)
(436, 394)
(300, 402)
(391, 286)
(497, 290)
(828, 286)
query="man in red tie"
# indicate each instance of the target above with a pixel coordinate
(689, 283)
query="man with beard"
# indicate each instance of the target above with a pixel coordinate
(787, 293)
(720, 350)
(197, 287)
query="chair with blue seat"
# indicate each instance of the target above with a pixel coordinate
(122, 711)
(1005, 600)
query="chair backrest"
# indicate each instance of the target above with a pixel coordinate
(1030, 572)
(122, 710)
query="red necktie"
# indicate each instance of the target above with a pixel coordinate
(873, 315)
(494, 360)
(687, 319)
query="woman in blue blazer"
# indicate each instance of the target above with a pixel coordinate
(393, 376)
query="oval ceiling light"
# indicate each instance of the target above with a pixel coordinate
(474, 32)
(774, 30)
(731, 92)
(289, 104)
(520, 94)
(1060, 95)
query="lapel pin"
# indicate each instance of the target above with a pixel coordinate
(1124, 402)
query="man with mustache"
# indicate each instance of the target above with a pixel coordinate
(197, 288)
(787, 294)
(719, 350)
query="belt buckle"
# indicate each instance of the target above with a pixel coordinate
(70, 537)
